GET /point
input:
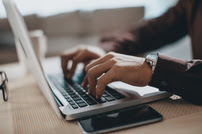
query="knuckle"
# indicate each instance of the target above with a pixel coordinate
(62, 55)
(90, 73)
(100, 81)
(85, 50)
(86, 68)
(110, 54)
(75, 60)
(116, 67)
(113, 60)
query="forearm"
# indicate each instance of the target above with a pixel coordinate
(151, 34)
(124, 43)
(183, 78)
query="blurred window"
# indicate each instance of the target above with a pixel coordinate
(153, 8)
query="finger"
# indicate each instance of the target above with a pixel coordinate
(64, 62)
(96, 72)
(98, 61)
(88, 62)
(65, 57)
(92, 85)
(110, 76)
(72, 70)
(85, 81)
(85, 63)
(75, 61)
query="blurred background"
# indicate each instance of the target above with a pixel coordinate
(67, 23)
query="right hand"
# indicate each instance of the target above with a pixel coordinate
(81, 53)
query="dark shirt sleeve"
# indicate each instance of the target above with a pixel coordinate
(183, 78)
(151, 34)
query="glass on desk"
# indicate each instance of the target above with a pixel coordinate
(4, 85)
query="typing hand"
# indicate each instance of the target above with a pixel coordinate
(81, 53)
(116, 67)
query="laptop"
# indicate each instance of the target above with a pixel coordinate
(68, 99)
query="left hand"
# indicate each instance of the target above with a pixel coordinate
(116, 67)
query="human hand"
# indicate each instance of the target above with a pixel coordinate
(116, 67)
(81, 53)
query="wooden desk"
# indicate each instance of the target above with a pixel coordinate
(27, 111)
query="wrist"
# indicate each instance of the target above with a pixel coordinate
(148, 72)
(151, 60)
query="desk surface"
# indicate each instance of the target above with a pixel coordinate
(27, 111)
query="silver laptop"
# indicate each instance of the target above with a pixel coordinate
(68, 99)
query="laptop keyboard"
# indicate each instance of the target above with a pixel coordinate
(78, 96)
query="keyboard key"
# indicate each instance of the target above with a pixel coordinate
(119, 96)
(91, 102)
(82, 104)
(80, 92)
(69, 99)
(71, 93)
(74, 95)
(83, 95)
(110, 90)
(79, 101)
(74, 106)
(68, 89)
(66, 96)
(114, 93)
(109, 98)
(71, 103)
(86, 97)
(101, 100)
(105, 95)
(86, 89)
(77, 98)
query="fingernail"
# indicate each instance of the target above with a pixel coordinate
(82, 84)
(88, 91)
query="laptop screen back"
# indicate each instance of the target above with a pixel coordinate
(21, 34)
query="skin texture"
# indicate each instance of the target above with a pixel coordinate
(80, 54)
(116, 67)
(105, 68)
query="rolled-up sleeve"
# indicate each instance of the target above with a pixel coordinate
(183, 78)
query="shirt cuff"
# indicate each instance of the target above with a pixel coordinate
(166, 73)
